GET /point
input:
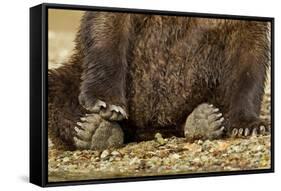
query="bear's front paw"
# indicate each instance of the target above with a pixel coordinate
(205, 122)
(93, 132)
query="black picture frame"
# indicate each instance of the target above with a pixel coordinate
(39, 84)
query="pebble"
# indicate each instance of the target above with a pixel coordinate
(104, 155)
(199, 142)
(115, 153)
(159, 139)
(66, 159)
(175, 156)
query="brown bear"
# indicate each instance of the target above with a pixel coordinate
(133, 75)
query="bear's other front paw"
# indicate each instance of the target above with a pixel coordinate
(255, 128)
(93, 132)
(205, 122)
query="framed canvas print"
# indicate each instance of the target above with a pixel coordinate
(126, 95)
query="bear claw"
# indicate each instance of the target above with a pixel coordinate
(108, 111)
(98, 106)
(245, 132)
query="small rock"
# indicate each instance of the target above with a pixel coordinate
(50, 143)
(196, 160)
(175, 156)
(111, 159)
(199, 142)
(159, 139)
(115, 153)
(72, 166)
(104, 155)
(135, 160)
(94, 159)
(204, 158)
(66, 159)
(258, 148)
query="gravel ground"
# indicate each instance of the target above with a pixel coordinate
(156, 157)
(150, 158)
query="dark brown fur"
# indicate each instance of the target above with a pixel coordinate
(159, 68)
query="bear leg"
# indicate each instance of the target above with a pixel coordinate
(242, 100)
(103, 80)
